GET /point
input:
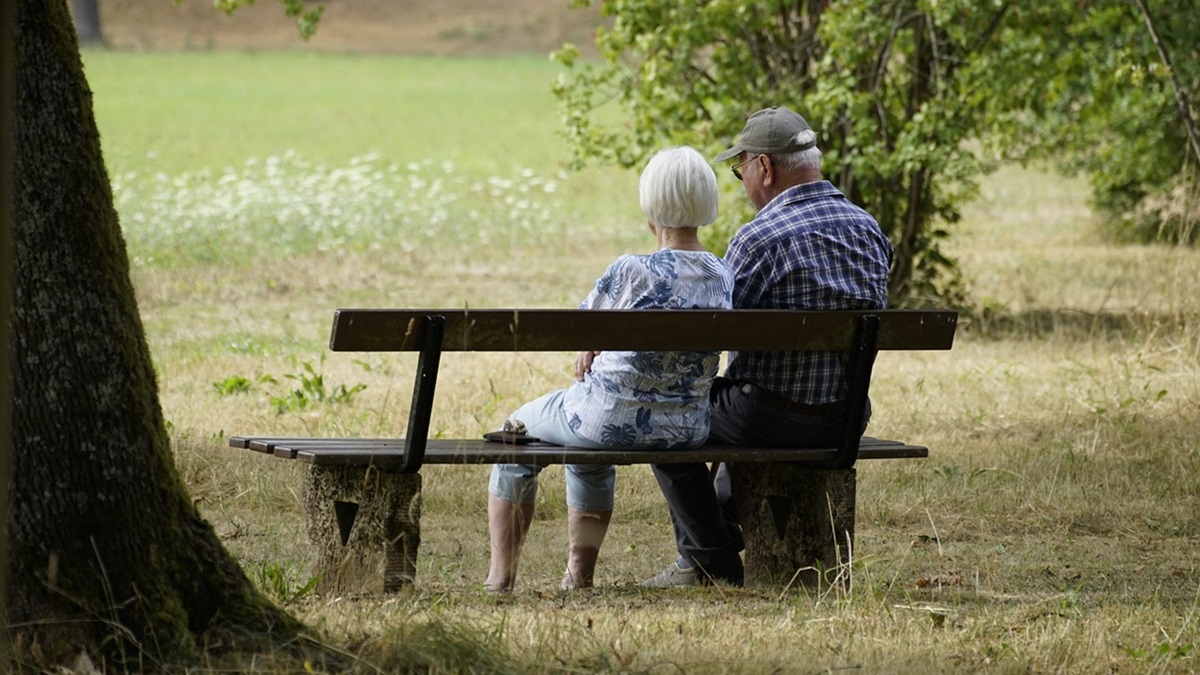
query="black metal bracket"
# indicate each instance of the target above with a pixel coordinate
(422, 399)
(858, 384)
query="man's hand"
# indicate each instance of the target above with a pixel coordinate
(583, 363)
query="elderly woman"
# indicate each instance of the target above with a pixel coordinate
(623, 399)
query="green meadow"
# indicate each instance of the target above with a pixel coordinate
(1055, 526)
(188, 111)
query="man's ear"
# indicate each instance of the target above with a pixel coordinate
(768, 170)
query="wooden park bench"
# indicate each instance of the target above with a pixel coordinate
(362, 497)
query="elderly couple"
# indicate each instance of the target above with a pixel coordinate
(807, 248)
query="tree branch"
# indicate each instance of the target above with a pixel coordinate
(885, 50)
(990, 32)
(1185, 109)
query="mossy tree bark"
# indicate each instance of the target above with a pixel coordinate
(107, 552)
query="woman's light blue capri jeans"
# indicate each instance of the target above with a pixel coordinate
(590, 487)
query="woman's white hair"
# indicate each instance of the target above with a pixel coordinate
(678, 189)
(805, 159)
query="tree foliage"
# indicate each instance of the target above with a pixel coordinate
(1104, 104)
(914, 100)
(306, 17)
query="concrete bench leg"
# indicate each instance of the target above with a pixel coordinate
(794, 517)
(365, 527)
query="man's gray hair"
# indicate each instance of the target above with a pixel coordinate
(678, 189)
(805, 159)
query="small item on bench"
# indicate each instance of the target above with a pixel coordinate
(512, 433)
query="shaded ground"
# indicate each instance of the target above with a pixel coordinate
(444, 27)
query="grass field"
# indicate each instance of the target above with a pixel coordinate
(1055, 527)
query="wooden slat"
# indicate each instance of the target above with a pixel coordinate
(382, 446)
(367, 330)
(387, 453)
(266, 444)
(270, 444)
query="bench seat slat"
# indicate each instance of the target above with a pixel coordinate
(387, 453)
(267, 443)
(287, 447)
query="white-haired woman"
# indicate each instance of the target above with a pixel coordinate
(620, 398)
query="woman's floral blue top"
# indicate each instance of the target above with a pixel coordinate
(651, 399)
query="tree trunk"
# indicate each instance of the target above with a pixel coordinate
(107, 553)
(8, 69)
(86, 14)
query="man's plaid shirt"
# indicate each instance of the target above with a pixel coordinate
(809, 248)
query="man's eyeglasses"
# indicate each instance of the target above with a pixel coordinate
(736, 168)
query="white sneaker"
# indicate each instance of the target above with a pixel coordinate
(672, 575)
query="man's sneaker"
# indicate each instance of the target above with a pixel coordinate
(672, 575)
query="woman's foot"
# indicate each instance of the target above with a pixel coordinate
(570, 583)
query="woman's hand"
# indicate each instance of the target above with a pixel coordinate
(583, 363)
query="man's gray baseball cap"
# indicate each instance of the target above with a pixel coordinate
(771, 131)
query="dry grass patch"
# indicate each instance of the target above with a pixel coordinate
(1052, 529)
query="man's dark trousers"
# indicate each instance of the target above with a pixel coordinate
(702, 515)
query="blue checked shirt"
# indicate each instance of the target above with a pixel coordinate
(809, 248)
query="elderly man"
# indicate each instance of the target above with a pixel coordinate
(808, 247)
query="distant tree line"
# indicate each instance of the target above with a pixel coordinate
(86, 14)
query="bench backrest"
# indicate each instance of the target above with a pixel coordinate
(492, 330)
(431, 331)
